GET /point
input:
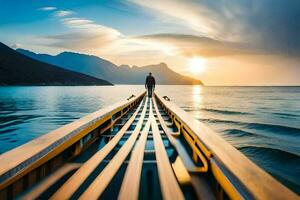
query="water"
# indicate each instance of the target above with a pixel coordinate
(262, 122)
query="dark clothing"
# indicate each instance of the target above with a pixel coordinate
(150, 90)
(150, 85)
(150, 81)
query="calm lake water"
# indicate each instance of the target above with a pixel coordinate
(262, 122)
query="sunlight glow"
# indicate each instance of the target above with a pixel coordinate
(197, 65)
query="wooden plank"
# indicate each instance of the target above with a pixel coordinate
(180, 171)
(163, 125)
(98, 186)
(48, 182)
(259, 183)
(169, 185)
(224, 181)
(131, 182)
(12, 159)
(74, 182)
(183, 154)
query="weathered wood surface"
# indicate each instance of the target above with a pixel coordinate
(48, 182)
(168, 182)
(185, 157)
(97, 187)
(131, 182)
(220, 156)
(13, 158)
(25, 158)
(259, 183)
(75, 181)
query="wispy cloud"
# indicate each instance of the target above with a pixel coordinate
(75, 21)
(83, 34)
(267, 24)
(89, 26)
(48, 8)
(63, 13)
(217, 29)
(81, 41)
(191, 45)
(197, 16)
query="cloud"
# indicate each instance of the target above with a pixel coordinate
(81, 40)
(217, 29)
(191, 45)
(76, 41)
(273, 25)
(75, 21)
(83, 34)
(89, 26)
(48, 8)
(200, 16)
(86, 35)
(63, 13)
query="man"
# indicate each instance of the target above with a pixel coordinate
(150, 84)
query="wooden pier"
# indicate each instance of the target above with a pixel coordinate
(140, 148)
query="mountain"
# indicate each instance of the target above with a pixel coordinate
(18, 69)
(100, 68)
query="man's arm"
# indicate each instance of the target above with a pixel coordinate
(146, 82)
(153, 82)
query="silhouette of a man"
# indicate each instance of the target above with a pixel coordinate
(150, 84)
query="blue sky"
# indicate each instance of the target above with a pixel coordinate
(38, 18)
(33, 17)
(258, 36)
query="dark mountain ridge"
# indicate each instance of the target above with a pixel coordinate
(19, 69)
(101, 68)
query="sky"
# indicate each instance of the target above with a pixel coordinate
(221, 42)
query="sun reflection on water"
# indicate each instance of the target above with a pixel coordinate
(197, 99)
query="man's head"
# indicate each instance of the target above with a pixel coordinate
(150, 74)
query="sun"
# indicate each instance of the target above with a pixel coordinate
(197, 65)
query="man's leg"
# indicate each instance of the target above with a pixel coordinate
(151, 89)
(149, 92)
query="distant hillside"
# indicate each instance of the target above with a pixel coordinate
(18, 69)
(100, 68)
